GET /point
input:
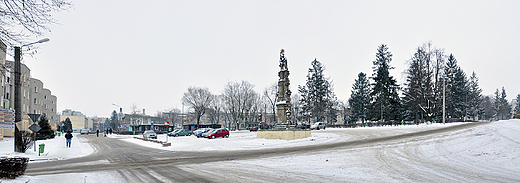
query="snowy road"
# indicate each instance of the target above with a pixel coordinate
(485, 153)
(469, 152)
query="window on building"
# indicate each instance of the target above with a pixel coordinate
(45, 97)
(35, 101)
(35, 89)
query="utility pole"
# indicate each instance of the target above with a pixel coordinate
(444, 101)
(17, 95)
(17, 101)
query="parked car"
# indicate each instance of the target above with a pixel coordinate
(205, 134)
(198, 133)
(302, 126)
(149, 134)
(182, 132)
(253, 129)
(219, 133)
(83, 131)
(172, 132)
(318, 126)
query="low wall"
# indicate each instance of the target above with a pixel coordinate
(283, 134)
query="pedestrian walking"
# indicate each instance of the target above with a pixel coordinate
(68, 136)
(110, 130)
(97, 133)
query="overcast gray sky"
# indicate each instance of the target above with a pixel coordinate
(148, 53)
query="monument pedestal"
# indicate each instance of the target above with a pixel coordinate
(283, 134)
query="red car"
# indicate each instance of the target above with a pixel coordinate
(219, 133)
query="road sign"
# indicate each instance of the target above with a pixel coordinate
(35, 128)
(6, 111)
(7, 115)
(167, 124)
(34, 117)
(6, 124)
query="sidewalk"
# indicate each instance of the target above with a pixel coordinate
(55, 149)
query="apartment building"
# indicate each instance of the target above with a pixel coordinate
(35, 99)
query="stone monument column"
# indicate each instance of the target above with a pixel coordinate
(283, 103)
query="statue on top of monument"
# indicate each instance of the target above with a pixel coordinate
(283, 61)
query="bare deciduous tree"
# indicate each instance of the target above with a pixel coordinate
(215, 109)
(239, 99)
(199, 99)
(271, 95)
(22, 19)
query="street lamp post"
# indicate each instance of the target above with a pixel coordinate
(17, 94)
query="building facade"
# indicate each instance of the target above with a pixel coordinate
(78, 120)
(35, 99)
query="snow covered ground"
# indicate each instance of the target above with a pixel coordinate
(485, 153)
(55, 149)
(245, 140)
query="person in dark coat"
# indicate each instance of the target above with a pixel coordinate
(110, 130)
(68, 136)
(97, 133)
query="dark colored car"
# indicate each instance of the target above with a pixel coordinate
(219, 133)
(182, 132)
(302, 126)
(253, 129)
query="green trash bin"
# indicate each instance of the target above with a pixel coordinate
(42, 147)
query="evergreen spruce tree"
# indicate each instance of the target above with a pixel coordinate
(385, 103)
(517, 107)
(360, 98)
(505, 106)
(316, 95)
(501, 107)
(46, 131)
(456, 89)
(113, 120)
(475, 98)
(67, 125)
(419, 93)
